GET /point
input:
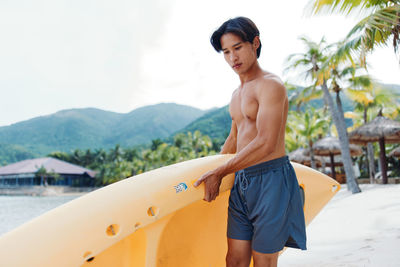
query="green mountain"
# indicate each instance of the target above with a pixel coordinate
(215, 123)
(93, 128)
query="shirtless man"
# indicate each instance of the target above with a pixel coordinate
(265, 208)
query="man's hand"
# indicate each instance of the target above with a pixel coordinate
(211, 182)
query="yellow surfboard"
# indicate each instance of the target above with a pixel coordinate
(153, 219)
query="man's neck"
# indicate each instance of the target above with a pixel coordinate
(252, 73)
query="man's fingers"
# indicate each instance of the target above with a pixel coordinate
(210, 197)
(198, 182)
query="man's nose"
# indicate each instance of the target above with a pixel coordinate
(233, 56)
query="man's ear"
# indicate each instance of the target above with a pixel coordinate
(256, 42)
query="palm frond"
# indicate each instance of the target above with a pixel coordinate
(376, 29)
(345, 6)
(361, 96)
(362, 81)
(380, 25)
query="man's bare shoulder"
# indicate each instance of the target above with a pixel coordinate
(271, 84)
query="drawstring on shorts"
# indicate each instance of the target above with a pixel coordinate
(243, 181)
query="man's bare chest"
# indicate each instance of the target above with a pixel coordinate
(243, 106)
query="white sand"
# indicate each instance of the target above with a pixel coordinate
(353, 230)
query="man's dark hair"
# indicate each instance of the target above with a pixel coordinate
(240, 26)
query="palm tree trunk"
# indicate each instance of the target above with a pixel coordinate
(371, 162)
(383, 160)
(341, 115)
(343, 139)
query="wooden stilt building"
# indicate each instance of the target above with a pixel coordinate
(45, 171)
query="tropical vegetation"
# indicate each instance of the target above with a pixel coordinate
(119, 163)
(380, 23)
(342, 65)
(303, 129)
(321, 66)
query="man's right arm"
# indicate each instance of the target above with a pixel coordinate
(229, 146)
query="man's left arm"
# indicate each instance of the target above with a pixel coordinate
(271, 99)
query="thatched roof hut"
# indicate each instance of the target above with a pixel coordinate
(301, 155)
(331, 146)
(382, 130)
(380, 127)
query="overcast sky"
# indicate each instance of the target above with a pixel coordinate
(119, 55)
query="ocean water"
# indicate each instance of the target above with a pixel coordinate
(17, 210)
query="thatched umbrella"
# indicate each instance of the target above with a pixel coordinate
(382, 130)
(337, 161)
(395, 153)
(300, 156)
(330, 146)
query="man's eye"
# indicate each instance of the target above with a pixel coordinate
(237, 48)
(226, 52)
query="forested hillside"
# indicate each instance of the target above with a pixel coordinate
(216, 124)
(92, 128)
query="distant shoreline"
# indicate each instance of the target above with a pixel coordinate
(46, 191)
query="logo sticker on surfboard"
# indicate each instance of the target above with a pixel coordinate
(180, 187)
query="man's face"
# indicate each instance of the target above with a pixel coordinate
(238, 54)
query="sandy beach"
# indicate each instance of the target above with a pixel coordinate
(353, 230)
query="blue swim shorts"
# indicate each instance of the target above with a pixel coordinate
(266, 207)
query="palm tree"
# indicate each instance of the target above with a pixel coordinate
(298, 96)
(43, 174)
(193, 145)
(310, 125)
(89, 158)
(130, 154)
(61, 156)
(114, 171)
(116, 153)
(328, 75)
(319, 63)
(293, 141)
(380, 24)
(155, 143)
(77, 157)
(100, 158)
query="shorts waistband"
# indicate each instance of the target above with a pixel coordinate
(267, 165)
